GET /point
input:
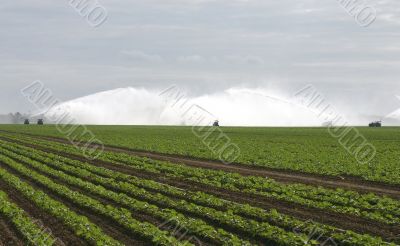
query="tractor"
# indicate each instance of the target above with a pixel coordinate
(375, 124)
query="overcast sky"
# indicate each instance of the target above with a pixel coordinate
(205, 46)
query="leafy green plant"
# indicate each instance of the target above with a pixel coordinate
(31, 231)
(80, 169)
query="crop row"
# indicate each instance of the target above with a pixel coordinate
(121, 216)
(310, 150)
(195, 226)
(370, 206)
(250, 227)
(79, 224)
(272, 217)
(27, 227)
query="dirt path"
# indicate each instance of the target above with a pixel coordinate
(108, 226)
(57, 228)
(348, 183)
(343, 221)
(8, 235)
(284, 176)
(138, 216)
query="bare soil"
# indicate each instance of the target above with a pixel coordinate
(343, 221)
(9, 236)
(56, 227)
(108, 226)
(138, 216)
(339, 220)
(285, 176)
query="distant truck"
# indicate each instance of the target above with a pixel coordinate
(375, 124)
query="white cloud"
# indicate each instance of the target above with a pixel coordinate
(191, 59)
(245, 60)
(140, 56)
(208, 45)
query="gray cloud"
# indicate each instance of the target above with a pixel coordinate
(205, 46)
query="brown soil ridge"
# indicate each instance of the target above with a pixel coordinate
(284, 176)
(9, 236)
(181, 235)
(57, 228)
(342, 221)
(148, 218)
(109, 227)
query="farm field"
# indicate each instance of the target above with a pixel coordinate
(310, 150)
(163, 186)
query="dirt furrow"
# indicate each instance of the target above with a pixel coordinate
(138, 216)
(50, 223)
(109, 227)
(343, 221)
(285, 176)
(8, 235)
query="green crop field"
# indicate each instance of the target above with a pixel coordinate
(311, 150)
(166, 186)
